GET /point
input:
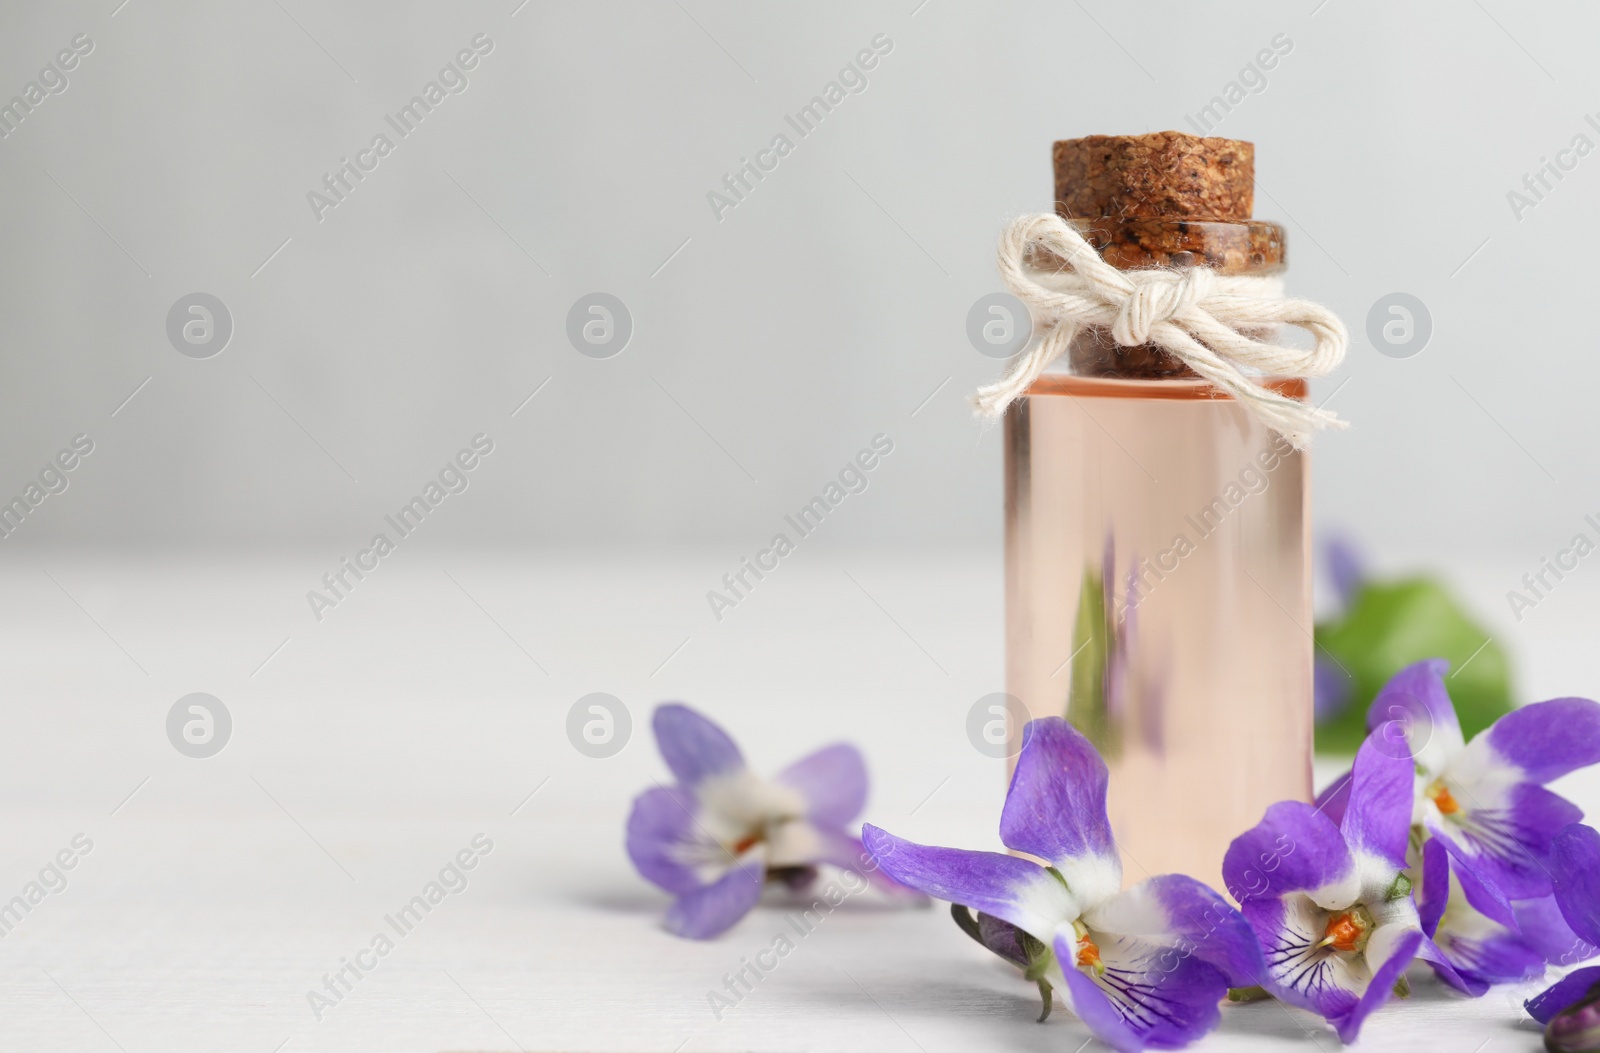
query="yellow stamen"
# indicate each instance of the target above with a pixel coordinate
(1344, 933)
(1089, 956)
(1442, 799)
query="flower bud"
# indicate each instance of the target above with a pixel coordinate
(1576, 1029)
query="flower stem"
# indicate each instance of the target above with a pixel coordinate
(969, 925)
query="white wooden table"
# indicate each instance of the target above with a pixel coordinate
(370, 748)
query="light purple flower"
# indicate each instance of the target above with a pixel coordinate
(1483, 823)
(1575, 875)
(1145, 966)
(1331, 904)
(716, 837)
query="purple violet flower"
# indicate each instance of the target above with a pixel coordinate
(1142, 966)
(1331, 904)
(1483, 823)
(715, 838)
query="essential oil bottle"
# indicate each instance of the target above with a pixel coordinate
(1158, 587)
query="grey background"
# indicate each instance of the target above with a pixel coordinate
(825, 308)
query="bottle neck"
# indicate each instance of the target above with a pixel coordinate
(1253, 247)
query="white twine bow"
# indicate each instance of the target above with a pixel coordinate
(1201, 317)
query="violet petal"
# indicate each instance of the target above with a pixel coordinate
(833, 780)
(1546, 740)
(662, 835)
(1377, 818)
(1134, 1004)
(1417, 699)
(712, 910)
(1379, 990)
(1014, 889)
(1575, 869)
(1566, 992)
(1056, 806)
(1293, 849)
(693, 747)
(1547, 932)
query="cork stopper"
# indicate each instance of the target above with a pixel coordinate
(1159, 175)
(1164, 199)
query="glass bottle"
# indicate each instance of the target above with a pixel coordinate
(1158, 587)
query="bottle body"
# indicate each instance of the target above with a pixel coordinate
(1158, 595)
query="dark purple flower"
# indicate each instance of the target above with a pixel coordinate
(1141, 967)
(1331, 904)
(714, 838)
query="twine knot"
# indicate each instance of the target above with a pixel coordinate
(1209, 321)
(1163, 297)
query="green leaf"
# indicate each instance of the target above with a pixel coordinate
(1390, 625)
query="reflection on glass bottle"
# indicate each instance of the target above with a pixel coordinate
(1087, 703)
(1108, 694)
